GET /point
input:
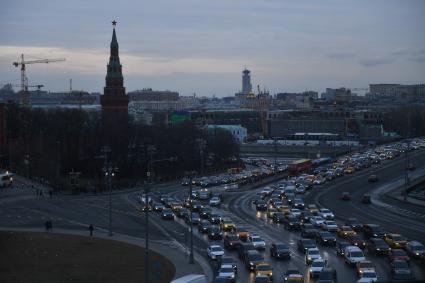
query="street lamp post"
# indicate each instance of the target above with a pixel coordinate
(191, 258)
(109, 171)
(149, 173)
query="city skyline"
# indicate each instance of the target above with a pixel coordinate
(202, 47)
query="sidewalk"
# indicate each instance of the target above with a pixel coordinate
(165, 248)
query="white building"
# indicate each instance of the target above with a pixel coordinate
(238, 132)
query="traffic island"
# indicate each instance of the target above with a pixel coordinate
(50, 257)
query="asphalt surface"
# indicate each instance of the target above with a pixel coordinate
(77, 212)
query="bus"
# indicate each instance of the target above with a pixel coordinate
(6, 179)
(300, 166)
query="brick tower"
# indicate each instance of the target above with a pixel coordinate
(114, 100)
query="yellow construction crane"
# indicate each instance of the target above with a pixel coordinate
(24, 80)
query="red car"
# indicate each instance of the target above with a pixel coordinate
(358, 241)
(398, 254)
(345, 196)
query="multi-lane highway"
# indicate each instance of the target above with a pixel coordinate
(393, 218)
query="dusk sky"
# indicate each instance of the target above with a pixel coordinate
(196, 46)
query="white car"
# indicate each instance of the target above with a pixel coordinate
(368, 277)
(257, 242)
(329, 225)
(353, 255)
(326, 213)
(266, 191)
(227, 270)
(316, 267)
(311, 255)
(215, 251)
(215, 201)
(316, 220)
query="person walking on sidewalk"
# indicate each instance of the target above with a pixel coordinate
(91, 228)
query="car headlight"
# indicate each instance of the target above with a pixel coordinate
(378, 249)
(309, 258)
(232, 276)
(251, 263)
(417, 253)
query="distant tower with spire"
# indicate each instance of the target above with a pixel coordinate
(114, 100)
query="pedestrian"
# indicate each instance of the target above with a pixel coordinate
(50, 225)
(46, 224)
(41, 193)
(91, 229)
(50, 193)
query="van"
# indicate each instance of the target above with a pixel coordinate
(191, 278)
(353, 255)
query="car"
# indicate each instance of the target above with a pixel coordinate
(261, 205)
(313, 209)
(242, 233)
(357, 240)
(214, 218)
(373, 231)
(304, 244)
(364, 266)
(311, 254)
(215, 201)
(278, 217)
(326, 214)
(203, 226)
(325, 238)
(415, 249)
(400, 270)
(378, 246)
(353, 254)
(329, 225)
(290, 272)
(204, 212)
(396, 254)
(243, 248)
(252, 258)
(231, 241)
(226, 224)
(264, 268)
(271, 211)
(327, 275)
(176, 206)
(227, 260)
(158, 206)
(285, 209)
(305, 216)
(345, 231)
(182, 212)
(195, 218)
(366, 199)
(316, 267)
(267, 191)
(258, 243)
(300, 189)
(354, 224)
(227, 271)
(292, 223)
(280, 250)
(368, 277)
(262, 279)
(345, 196)
(295, 212)
(340, 247)
(167, 213)
(298, 203)
(372, 178)
(214, 233)
(317, 220)
(395, 241)
(215, 251)
(308, 231)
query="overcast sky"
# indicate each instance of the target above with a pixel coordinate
(200, 46)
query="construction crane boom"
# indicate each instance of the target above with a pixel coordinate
(24, 80)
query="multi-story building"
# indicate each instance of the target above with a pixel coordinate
(3, 139)
(238, 132)
(397, 90)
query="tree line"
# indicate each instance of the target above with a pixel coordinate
(50, 144)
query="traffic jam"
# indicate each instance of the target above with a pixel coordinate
(287, 239)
